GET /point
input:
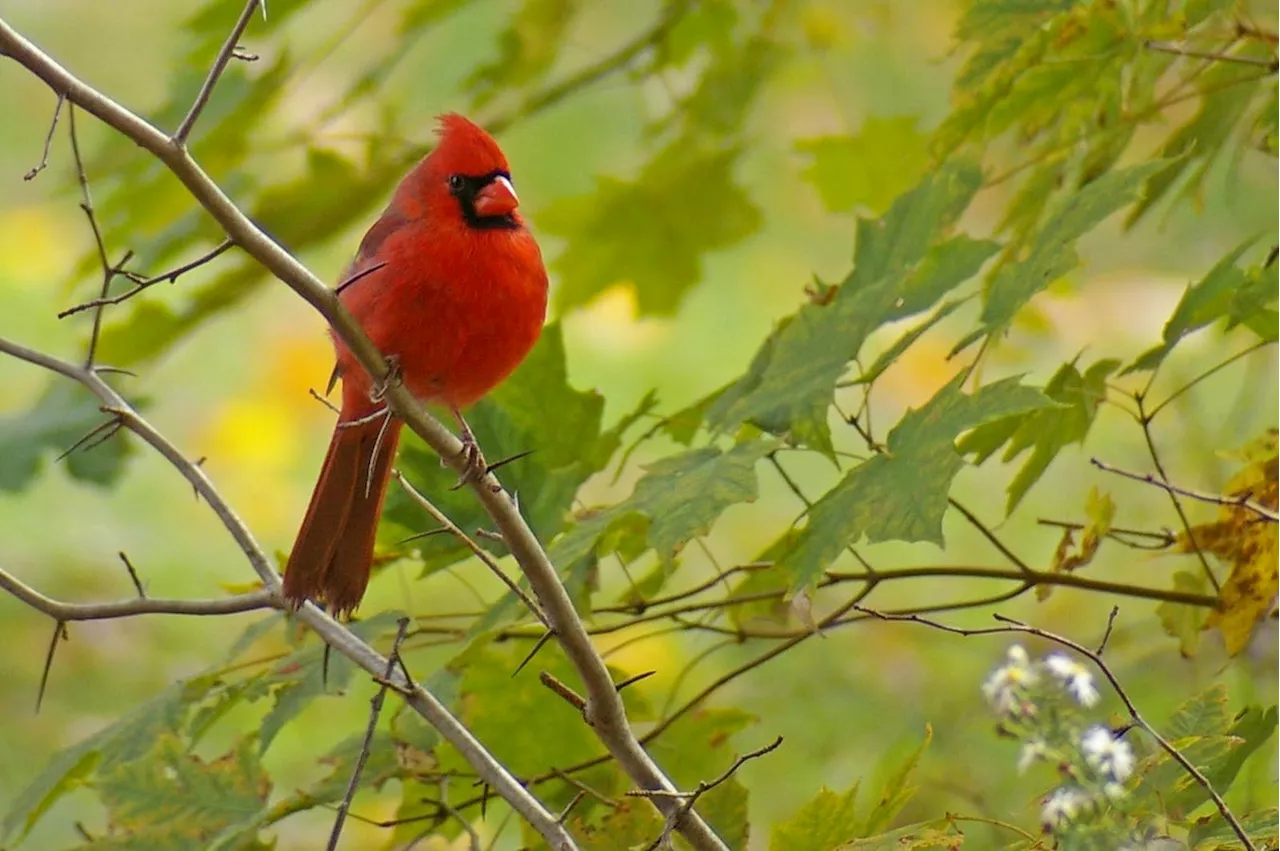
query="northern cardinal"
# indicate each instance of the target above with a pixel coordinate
(457, 303)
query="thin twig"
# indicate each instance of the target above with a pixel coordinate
(570, 696)
(703, 787)
(219, 65)
(1216, 499)
(109, 272)
(133, 575)
(1011, 625)
(48, 141)
(141, 283)
(375, 710)
(1179, 50)
(1144, 422)
(479, 552)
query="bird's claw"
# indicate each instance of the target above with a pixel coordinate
(474, 466)
(395, 375)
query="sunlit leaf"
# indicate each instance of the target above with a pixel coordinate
(1246, 541)
(825, 822)
(1213, 833)
(651, 232)
(870, 169)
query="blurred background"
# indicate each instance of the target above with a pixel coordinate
(233, 388)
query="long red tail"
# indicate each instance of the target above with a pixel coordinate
(331, 558)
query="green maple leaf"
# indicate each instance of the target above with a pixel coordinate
(900, 268)
(901, 494)
(1046, 431)
(651, 232)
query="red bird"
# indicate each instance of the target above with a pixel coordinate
(450, 286)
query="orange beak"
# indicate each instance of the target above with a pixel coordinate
(498, 198)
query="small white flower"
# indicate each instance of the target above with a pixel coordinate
(1062, 806)
(1075, 678)
(1106, 754)
(1002, 686)
(1114, 791)
(1031, 752)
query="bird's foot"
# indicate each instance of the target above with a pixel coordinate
(474, 466)
(394, 376)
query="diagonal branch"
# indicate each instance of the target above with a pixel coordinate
(334, 634)
(219, 65)
(605, 708)
(1228, 501)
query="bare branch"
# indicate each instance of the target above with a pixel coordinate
(68, 612)
(1227, 501)
(219, 65)
(605, 705)
(48, 142)
(334, 634)
(141, 283)
(375, 710)
(1011, 625)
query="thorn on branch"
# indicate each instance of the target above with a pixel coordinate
(133, 575)
(630, 681)
(59, 633)
(538, 645)
(48, 141)
(95, 437)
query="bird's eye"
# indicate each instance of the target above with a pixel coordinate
(456, 182)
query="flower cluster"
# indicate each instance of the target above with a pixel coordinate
(1043, 703)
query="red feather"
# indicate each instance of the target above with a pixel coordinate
(459, 303)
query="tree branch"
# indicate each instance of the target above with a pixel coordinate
(1227, 501)
(219, 65)
(67, 612)
(1011, 625)
(605, 707)
(330, 631)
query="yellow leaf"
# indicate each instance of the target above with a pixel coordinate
(1246, 541)
(1099, 511)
